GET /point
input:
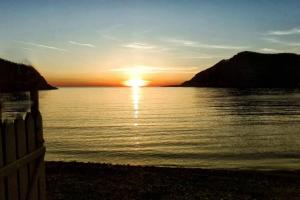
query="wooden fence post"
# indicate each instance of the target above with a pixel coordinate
(40, 143)
(21, 152)
(2, 186)
(34, 96)
(0, 110)
(31, 146)
(10, 151)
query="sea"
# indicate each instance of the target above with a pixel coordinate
(174, 126)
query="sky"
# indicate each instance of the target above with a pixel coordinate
(165, 42)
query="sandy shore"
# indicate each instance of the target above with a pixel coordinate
(101, 181)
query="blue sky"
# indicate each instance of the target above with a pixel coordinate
(97, 41)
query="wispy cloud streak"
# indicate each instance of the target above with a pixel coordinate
(25, 48)
(148, 69)
(108, 33)
(82, 44)
(43, 46)
(269, 50)
(137, 45)
(278, 41)
(111, 37)
(200, 57)
(285, 32)
(146, 47)
(195, 44)
(180, 42)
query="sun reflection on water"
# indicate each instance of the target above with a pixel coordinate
(135, 95)
(135, 102)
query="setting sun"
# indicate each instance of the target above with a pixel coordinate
(135, 74)
(135, 83)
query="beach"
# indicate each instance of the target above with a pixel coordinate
(78, 181)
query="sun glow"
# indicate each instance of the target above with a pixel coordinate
(135, 83)
(136, 79)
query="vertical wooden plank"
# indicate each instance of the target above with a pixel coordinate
(0, 109)
(42, 182)
(34, 96)
(10, 150)
(39, 130)
(2, 186)
(30, 133)
(31, 146)
(40, 143)
(21, 152)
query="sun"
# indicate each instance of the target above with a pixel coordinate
(136, 74)
(135, 83)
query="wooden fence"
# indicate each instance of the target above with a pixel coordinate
(22, 167)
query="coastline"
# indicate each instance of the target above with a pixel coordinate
(74, 180)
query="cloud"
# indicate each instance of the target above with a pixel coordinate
(43, 46)
(195, 44)
(268, 50)
(146, 47)
(278, 41)
(285, 32)
(111, 28)
(108, 32)
(151, 70)
(200, 57)
(223, 47)
(110, 37)
(137, 45)
(82, 44)
(141, 33)
(180, 42)
(29, 49)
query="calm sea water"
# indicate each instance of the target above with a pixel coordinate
(187, 127)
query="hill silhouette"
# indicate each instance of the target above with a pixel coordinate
(251, 70)
(20, 77)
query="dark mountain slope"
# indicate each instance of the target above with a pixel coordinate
(250, 69)
(20, 77)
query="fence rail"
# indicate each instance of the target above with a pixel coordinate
(22, 167)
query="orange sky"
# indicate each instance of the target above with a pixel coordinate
(118, 78)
